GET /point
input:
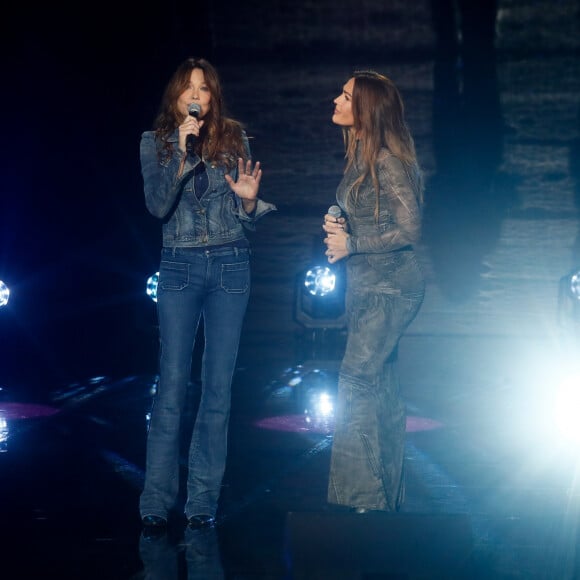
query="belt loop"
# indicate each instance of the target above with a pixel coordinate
(236, 251)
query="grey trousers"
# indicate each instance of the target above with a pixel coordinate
(367, 458)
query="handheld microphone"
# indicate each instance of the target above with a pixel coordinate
(194, 110)
(334, 211)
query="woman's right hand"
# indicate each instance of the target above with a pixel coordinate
(336, 236)
(334, 223)
(190, 126)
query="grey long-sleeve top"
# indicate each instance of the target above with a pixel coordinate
(399, 223)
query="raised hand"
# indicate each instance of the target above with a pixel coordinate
(248, 182)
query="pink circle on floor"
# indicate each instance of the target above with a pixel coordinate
(13, 411)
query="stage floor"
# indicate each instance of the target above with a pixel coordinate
(486, 496)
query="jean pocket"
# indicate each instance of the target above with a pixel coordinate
(173, 275)
(236, 277)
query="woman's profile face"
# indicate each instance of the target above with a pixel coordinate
(343, 106)
(198, 92)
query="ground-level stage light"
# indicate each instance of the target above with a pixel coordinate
(320, 280)
(569, 301)
(319, 297)
(321, 405)
(4, 294)
(574, 281)
(151, 288)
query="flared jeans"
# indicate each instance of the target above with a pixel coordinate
(215, 284)
(367, 458)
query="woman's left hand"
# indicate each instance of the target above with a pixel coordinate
(335, 239)
(248, 183)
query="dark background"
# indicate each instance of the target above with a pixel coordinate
(76, 245)
(80, 85)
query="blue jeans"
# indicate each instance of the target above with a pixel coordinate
(215, 284)
(367, 459)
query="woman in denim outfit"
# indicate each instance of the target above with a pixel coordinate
(380, 196)
(200, 181)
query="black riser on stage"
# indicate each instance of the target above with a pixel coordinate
(378, 545)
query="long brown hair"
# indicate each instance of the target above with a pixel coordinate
(220, 139)
(379, 122)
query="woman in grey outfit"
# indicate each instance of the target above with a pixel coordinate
(380, 196)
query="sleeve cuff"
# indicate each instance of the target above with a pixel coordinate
(351, 245)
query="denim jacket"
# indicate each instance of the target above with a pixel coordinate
(217, 217)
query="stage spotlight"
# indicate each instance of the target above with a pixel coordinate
(320, 280)
(321, 406)
(319, 297)
(4, 294)
(316, 396)
(151, 288)
(574, 283)
(569, 295)
(4, 434)
(567, 401)
(569, 311)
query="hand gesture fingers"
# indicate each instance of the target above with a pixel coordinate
(247, 170)
(248, 181)
(333, 225)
